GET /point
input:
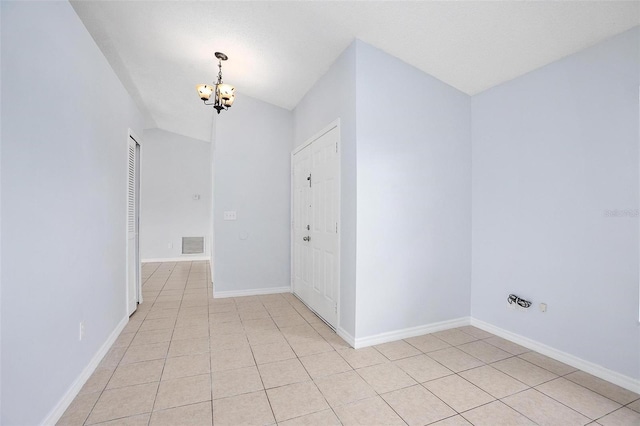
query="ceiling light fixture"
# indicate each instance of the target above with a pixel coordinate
(224, 93)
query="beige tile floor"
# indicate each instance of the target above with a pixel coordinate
(188, 359)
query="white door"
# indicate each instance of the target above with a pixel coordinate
(316, 182)
(133, 259)
(301, 224)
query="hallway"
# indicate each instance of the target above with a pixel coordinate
(188, 359)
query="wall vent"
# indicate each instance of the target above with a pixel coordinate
(192, 245)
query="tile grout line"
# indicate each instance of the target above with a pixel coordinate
(153, 406)
(378, 394)
(453, 373)
(514, 408)
(118, 365)
(269, 307)
(264, 389)
(161, 372)
(272, 318)
(528, 386)
(562, 403)
(422, 384)
(154, 302)
(307, 371)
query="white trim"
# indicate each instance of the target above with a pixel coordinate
(186, 258)
(326, 129)
(62, 405)
(342, 333)
(391, 336)
(132, 135)
(291, 227)
(572, 360)
(336, 123)
(250, 292)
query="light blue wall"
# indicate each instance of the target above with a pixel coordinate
(173, 168)
(252, 177)
(553, 152)
(414, 196)
(333, 97)
(65, 117)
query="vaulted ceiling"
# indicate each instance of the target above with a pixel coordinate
(278, 49)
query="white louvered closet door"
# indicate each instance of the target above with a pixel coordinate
(132, 228)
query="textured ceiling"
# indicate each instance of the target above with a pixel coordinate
(278, 50)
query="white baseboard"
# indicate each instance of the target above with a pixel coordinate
(185, 258)
(344, 335)
(250, 292)
(579, 363)
(405, 333)
(69, 396)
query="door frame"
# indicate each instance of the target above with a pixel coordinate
(131, 135)
(334, 124)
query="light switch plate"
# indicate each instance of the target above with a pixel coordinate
(230, 215)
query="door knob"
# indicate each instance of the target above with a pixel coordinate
(306, 238)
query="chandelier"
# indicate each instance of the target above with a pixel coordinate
(224, 94)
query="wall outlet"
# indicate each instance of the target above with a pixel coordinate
(170, 245)
(543, 307)
(81, 331)
(230, 215)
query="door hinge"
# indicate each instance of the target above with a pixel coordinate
(336, 147)
(309, 179)
(335, 308)
(336, 227)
